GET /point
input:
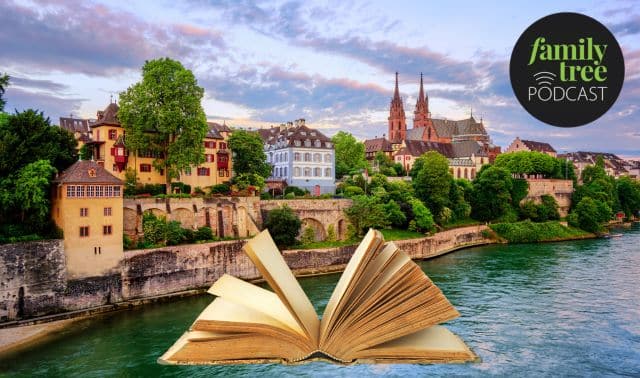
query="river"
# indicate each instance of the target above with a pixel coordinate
(561, 309)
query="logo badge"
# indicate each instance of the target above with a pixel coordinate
(567, 69)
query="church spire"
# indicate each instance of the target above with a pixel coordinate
(397, 119)
(396, 93)
(421, 96)
(421, 114)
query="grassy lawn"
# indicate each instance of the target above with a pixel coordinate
(324, 244)
(394, 234)
(461, 223)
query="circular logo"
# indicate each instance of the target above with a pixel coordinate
(567, 69)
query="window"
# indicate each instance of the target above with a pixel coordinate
(99, 191)
(162, 172)
(145, 167)
(296, 171)
(209, 158)
(307, 143)
(317, 158)
(114, 168)
(327, 158)
(84, 231)
(317, 172)
(113, 134)
(187, 171)
(71, 191)
(318, 143)
(84, 211)
(209, 144)
(328, 144)
(90, 191)
(327, 172)
(223, 146)
(107, 211)
(108, 191)
(307, 172)
(307, 156)
(106, 230)
(204, 171)
(296, 156)
(116, 191)
(285, 171)
(297, 143)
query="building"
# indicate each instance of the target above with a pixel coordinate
(78, 127)
(87, 205)
(613, 164)
(106, 138)
(531, 145)
(465, 142)
(300, 156)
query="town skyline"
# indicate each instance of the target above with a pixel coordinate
(266, 64)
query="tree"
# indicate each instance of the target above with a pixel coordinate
(163, 114)
(394, 213)
(28, 136)
(366, 212)
(423, 217)
(591, 214)
(349, 154)
(248, 154)
(4, 83)
(629, 195)
(433, 182)
(491, 193)
(283, 225)
(25, 195)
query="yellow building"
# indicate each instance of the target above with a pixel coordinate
(87, 205)
(107, 139)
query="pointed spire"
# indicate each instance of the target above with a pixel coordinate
(421, 95)
(396, 93)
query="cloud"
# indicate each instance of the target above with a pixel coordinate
(88, 38)
(20, 99)
(37, 84)
(629, 26)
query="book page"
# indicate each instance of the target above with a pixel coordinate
(354, 268)
(254, 297)
(269, 261)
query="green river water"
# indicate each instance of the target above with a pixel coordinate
(556, 309)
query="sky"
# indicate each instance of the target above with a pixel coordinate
(330, 62)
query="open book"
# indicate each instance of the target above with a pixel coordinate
(384, 309)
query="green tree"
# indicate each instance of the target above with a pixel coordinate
(163, 114)
(4, 83)
(629, 195)
(349, 154)
(86, 152)
(433, 182)
(591, 214)
(26, 194)
(248, 154)
(491, 193)
(394, 213)
(422, 216)
(283, 225)
(28, 136)
(366, 212)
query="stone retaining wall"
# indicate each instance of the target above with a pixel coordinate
(165, 271)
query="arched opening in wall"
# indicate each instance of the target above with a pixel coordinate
(20, 312)
(184, 216)
(157, 212)
(318, 229)
(458, 176)
(130, 221)
(466, 173)
(342, 229)
(473, 173)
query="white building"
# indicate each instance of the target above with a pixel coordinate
(300, 156)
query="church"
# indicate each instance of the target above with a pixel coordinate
(465, 142)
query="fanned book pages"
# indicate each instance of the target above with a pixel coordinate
(384, 309)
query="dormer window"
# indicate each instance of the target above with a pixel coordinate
(313, 133)
(297, 143)
(307, 143)
(328, 144)
(303, 133)
(318, 143)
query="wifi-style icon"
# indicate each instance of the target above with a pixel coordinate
(544, 78)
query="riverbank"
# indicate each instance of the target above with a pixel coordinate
(534, 232)
(196, 267)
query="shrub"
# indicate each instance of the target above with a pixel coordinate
(266, 196)
(331, 233)
(530, 232)
(394, 214)
(223, 189)
(283, 225)
(290, 196)
(203, 233)
(127, 243)
(295, 190)
(308, 235)
(175, 233)
(423, 221)
(352, 191)
(182, 187)
(366, 212)
(154, 229)
(199, 191)
(591, 214)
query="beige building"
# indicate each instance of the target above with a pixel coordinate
(531, 145)
(107, 139)
(87, 205)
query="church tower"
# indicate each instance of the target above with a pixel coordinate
(397, 119)
(421, 116)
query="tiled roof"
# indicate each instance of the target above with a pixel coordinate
(74, 125)
(417, 133)
(294, 136)
(467, 148)
(448, 129)
(538, 146)
(219, 128)
(417, 148)
(108, 116)
(377, 144)
(86, 172)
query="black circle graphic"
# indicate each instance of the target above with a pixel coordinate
(567, 69)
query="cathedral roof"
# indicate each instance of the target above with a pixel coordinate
(377, 144)
(417, 148)
(467, 148)
(417, 133)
